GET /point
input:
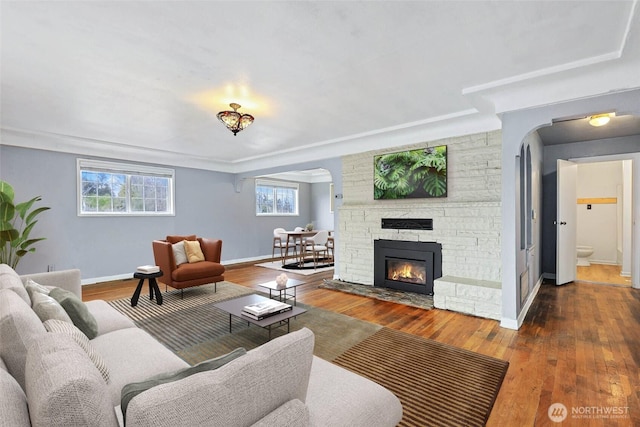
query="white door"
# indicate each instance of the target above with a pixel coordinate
(566, 223)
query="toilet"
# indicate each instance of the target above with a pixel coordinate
(584, 252)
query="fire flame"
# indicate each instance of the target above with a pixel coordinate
(406, 272)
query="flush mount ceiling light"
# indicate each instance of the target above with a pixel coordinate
(600, 119)
(233, 120)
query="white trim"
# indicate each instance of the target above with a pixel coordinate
(516, 323)
(129, 276)
(275, 183)
(129, 169)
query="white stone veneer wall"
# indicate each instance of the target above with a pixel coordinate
(466, 222)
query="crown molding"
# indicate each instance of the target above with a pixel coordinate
(456, 124)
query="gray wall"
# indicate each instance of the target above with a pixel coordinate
(207, 204)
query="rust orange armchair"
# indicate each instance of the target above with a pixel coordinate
(178, 272)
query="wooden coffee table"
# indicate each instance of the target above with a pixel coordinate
(234, 308)
(283, 294)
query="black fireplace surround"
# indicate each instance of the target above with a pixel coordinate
(427, 256)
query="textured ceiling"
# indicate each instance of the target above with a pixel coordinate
(144, 80)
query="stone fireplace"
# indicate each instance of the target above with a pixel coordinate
(407, 266)
(467, 223)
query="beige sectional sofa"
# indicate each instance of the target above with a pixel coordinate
(57, 379)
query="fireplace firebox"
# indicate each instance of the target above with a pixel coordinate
(407, 266)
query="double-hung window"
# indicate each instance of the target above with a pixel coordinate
(276, 198)
(108, 188)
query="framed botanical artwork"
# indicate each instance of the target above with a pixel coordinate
(411, 174)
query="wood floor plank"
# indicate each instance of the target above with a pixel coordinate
(579, 344)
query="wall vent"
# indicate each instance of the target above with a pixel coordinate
(408, 223)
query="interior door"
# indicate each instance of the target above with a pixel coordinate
(566, 222)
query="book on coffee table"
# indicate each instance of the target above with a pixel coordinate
(263, 309)
(266, 315)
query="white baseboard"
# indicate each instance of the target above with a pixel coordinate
(516, 323)
(126, 276)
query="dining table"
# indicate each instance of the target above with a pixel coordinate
(296, 237)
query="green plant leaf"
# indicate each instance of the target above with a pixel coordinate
(30, 242)
(35, 213)
(26, 232)
(24, 207)
(7, 189)
(7, 211)
(14, 234)
(8, 235)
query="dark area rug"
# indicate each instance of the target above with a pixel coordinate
(438, 385)
(384, 294)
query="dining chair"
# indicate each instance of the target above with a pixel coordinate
(331, 245)
(316, 244)
(280, 242)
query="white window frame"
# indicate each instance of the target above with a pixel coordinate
(277, 184)
(128, 169)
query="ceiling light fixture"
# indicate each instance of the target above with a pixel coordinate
(233, 120)
(600, 119)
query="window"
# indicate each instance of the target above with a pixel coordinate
(276, 198)
(107, 188)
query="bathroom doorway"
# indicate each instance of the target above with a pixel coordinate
(603, 221)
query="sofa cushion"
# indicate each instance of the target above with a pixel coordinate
(332, 389)
(193, 250)
(179, 255)
(240, 393)
(48, 308)
(77, 311)
(9, 279)
(63, 386)
(176, 239)
(133, 355)
(130, 391)
(13, 404)
(19, 325)
(197, 270)
(294, 413)
(108, 318)
(82, 340)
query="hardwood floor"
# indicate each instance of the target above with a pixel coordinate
(579, 345)
(602, 273)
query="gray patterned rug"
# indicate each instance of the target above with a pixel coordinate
(195, 330)
(445, 386)
(384, 294)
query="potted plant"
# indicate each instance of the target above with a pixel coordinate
(16, 223)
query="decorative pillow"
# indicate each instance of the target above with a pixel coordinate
(179, 255)
(176, 239)
(48, 308)
(77, 311)
(54, 325)
(130, 391)
(33, 287)
(193, 250)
